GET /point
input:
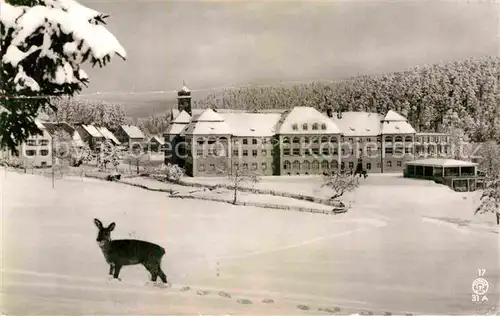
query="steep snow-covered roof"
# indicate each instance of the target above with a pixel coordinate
(108, 135)
(294, 120)
(132, 131)
(94, 132)
(441, 162)
(182, 118)
(252, 124)
(209, 115)
(397, 127)
(359, 123)
(207, 123)
(393, 116)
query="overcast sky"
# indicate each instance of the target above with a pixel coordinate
(215, 44)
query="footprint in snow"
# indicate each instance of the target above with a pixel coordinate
(244, 301)
(268, 301)
(185, 288)
(303, 307)
(224, 294)
(202, 292)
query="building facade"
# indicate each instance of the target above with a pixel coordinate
(299, 141)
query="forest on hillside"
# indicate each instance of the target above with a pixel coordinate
(435, 98)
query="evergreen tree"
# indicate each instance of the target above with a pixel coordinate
(43, 44)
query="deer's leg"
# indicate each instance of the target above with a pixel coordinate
(116, 271)
(163, 277)
(111, 269)
(153, 269)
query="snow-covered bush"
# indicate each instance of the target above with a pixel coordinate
(43, 44)
(171, 172)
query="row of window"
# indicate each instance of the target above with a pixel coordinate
(40, 142)
(436, 139)
(306, 165)
(33, 152)
(245, 152)
(305, 126)
(244, 166)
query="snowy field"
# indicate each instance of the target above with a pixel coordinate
(403, 247)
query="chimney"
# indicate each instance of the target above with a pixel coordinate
(329, 112)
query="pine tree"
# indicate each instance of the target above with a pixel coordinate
(44, 44)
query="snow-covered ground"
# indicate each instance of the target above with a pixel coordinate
(399, 249)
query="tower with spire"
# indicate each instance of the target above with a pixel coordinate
(184, 99)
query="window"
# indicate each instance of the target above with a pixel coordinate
(263, 153)
(388, 139)
(378, 164)
(342, 165)
(408, 150)
(306, 165)
(31, 142)
(286, 165)
(199, 152)
(236, 152)
(295, 127)
(296, 164)
(388, 150)
(30, 152)
(44, 152)
(326, 151)
(315, 165)
(307, 152)
(351, 164)
(201, 167)
(324, 140)
(306, 140)
(335, 151)
(350, 139)
(304, 127)
(296, 151)
(315, 140)
(369, 140)
(315, 151)
(408, 139)
(212, 167)
(368, 166)
(323, 126)
(325, 164)
(236, 141)
(389, 164)
(315, 127)
(333, 139)
(254, 166)
(43, 164)
(398, 139)
(286, 151)
(245, 166)
(254, 152)
(264, 140)
(398, 163)
(44, 142)
(245, 152)
(263, 166)
(334, 164)
(286, 140)
(245, 141)
(296, 140)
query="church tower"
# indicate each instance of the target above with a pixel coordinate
(184, 99)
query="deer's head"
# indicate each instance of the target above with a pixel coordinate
(104, 234)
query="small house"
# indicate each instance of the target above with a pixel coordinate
(130, 135)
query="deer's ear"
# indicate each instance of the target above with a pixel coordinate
(98, 223)
(111, 226)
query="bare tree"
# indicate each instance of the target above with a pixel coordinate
(490, 199)
(238, 174)
(340, 183)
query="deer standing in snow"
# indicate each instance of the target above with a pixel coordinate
(123, 252)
